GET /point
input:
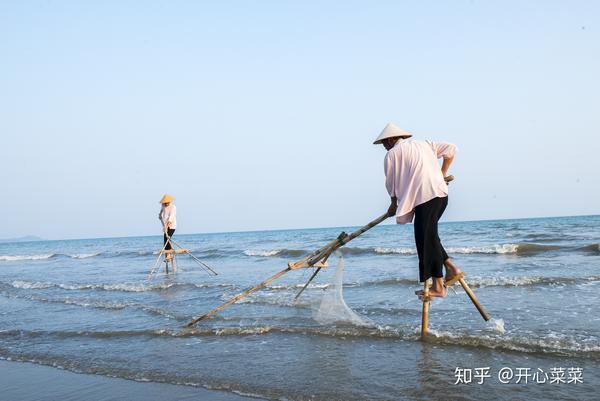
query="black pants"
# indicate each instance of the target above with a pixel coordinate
(170, 231)
(432, 254)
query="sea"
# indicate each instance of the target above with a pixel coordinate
(93, 306)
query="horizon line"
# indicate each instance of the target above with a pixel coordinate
(41, 239)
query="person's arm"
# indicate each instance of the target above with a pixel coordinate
(165, 220)
(160, 217)
(393, 206)
(446, 165)
(389, 167)
(172, 216)
(446, 151)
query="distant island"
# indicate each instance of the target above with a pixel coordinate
(26, 238)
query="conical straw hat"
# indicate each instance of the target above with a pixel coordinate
(391, 131)
(167, 199)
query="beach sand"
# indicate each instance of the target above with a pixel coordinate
(22, 381)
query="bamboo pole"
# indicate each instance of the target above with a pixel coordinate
(425, 317)
(474, 299)
(317, 270)
(238, 297)
(307, 261)
(323, 264)
(195, 258)
(169, 254)
(344, 239)
(157, 261)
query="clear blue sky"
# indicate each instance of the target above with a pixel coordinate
(260, 115)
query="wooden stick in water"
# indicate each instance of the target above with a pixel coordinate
(474, 299)
(195, 258)
(157, 261)
(318, 269)
(425, 318)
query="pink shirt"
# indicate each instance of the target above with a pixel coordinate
(168, 215)
(413, 174)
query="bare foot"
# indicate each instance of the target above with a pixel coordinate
(451, 270)
(441, 293)
(433, 293)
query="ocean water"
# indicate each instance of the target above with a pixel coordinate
(88, 306)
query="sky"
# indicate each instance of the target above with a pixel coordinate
(261, 114)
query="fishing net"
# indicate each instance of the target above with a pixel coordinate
(333, 308)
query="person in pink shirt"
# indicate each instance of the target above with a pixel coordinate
(168, 219)
(418, 190)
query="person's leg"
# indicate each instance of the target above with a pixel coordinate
(170, 232)
(435, 248)
(428, 248)
(451, 268)
(419, 230)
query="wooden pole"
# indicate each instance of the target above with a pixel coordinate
(240, 296)
(169, 254)
(474, 299)
(317, 270)
(425, 317)
(341, 241)
(157, 261)
(307, 261)
(195, 258)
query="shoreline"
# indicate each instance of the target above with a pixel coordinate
(25, 381)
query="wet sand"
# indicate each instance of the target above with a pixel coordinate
(22, 381)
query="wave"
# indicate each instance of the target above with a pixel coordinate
(85, 255)
(95, 304)
(518, 249)
(85, 303)
(528, 281)
(493, 249)
(122, 287)
(474, 282)
(592, 248)
(527, 249)
(250, 252)
(552, 343)
(275, 252)
(480, 282)
(387, 251)
(296, 286)
(12, 258)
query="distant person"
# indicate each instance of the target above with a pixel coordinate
(168, 218)
(418, 188)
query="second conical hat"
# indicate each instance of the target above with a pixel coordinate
(167, 199)
(391, 131)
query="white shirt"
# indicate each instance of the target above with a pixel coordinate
(168, 215)
(413, 174)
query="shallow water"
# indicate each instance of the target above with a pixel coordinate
(87, 305)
